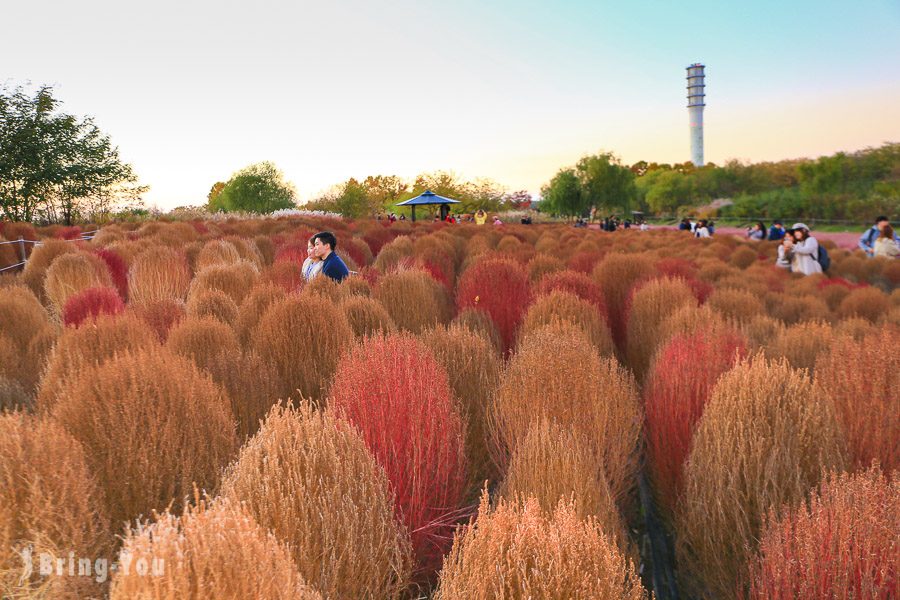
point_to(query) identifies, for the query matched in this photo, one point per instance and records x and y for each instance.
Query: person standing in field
(480, 217)
(701, 231)
(776, 232)
(332, 265)
(757, 232)
(312, 266)
(886, 244)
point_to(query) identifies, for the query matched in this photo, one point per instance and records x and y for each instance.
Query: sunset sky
(511, 90)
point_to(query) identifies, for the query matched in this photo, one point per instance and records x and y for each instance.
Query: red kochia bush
(843, 545)
(678, 385)
(90, 303)
(577, 283)
(118, 270)
(498, 287)
(393, 389)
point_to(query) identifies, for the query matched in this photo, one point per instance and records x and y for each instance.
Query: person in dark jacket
(332, 265)
(776, 231)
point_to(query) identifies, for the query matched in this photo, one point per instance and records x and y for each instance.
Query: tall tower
(695, 97)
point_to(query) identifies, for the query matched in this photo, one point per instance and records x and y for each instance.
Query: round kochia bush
(763, 442)
(393, 389)
(208, 552)
(500, 288)
(152, 427)
(309, 478)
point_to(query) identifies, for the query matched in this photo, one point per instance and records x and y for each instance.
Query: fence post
(22, 248)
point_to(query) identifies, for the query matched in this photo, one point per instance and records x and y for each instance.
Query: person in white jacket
(803, 250)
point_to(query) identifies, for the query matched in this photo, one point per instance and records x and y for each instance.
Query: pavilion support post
(413, 213)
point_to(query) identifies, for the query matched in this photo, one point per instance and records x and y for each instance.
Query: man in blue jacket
(867, 240)
(324, 244)
(776, 231)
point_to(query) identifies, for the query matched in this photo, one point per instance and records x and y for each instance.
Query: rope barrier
(12, 266)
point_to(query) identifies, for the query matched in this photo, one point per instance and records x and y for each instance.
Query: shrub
(516, 550)
(285, 275)
(762, 442)
(251, 396)
(743, 257)
(737, 304)
(760, 331)
(561, 306)
(616, 274)
(414, 300)
(677, 389)
(648, 308)
(473, 371)
(842, 545)
(80, 348)
(553, 464)
(868, 302)
(542, 265)
(393, 254)
(258, 301)
(13, 396)
(23, 322)
(862, 379)
(802, 344)
(73, 273)
(413, 427)
(302, 338)
(479, 322)
(91, 303)
(152, 427)
(118, 270)
(202, 340)
(235, 280)
(39, 261)
(216, 252)
(500, 288)
(160, 315)
(158, 273)
(50, 502)
(196, 555)
(366, 316)
(310, 479)
(795, 309)
(576, 283)
(212, 303)
(557, 374)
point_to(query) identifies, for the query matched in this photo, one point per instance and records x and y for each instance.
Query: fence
(23, 255)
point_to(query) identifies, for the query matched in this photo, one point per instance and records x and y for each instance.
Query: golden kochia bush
(216, 252)
(553, 464)
(563, 306)
(616, 274)
(842, 545)
(414, 300)
(473, 371)
(25, 336)
(801, 344)
(40, 260)
(212, 303)
(257, 302)
(868, 302)
(235, 280)
(310, 479)
(87, 346)
(862, 379)
(763, 442)
(152, 425)
(73, 273)
(158, 273)
(557, 374)
(481, 323)
(302, 338)
(737, 304)
(203, 340)
(160, 315)
(648, 308)
(793, 309)
(216, 551)
(517, 550)
(49, 501)
(367, 316)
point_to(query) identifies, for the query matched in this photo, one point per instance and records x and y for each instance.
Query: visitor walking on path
(332, 265)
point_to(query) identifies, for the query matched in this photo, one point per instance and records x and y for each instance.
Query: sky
(512, 90)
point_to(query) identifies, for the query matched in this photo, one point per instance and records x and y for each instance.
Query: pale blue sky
(192, 91)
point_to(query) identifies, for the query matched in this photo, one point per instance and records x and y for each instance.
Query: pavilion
(427, 198)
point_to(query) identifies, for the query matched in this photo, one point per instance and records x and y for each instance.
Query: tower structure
(696, 101)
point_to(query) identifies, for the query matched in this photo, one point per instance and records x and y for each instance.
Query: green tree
(54, 166)
(563, 195)
(212, 197)
(670, 190)
(605, 182)
(259, 188)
